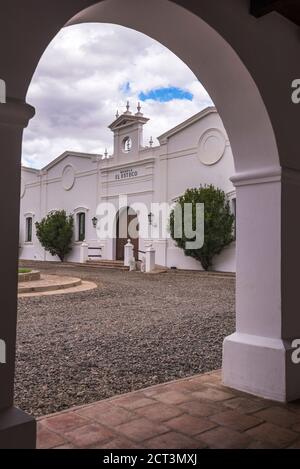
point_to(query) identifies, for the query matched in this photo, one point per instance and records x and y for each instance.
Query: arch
(204, 41)
(236, 58)
(214, 62)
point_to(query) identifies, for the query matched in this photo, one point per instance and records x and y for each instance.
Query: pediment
(127, 120)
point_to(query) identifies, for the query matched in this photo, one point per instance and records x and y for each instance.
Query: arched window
(28, 230)
(233, 210)
(81, 226)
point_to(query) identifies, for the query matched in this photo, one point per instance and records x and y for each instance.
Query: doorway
(127, 228)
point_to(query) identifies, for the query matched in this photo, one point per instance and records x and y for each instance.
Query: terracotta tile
(207, 378)
(173, 397)
(187, 386)
(117, 443)
(132, 402)
(193, 413)
(269, 433)
(65, 422)
(152, 392)
(141, 429)
(113, 416)
(159, 412)
(222, 387)
(164, 387)
(131, 396)
(212, 394)
(190, 425)
(66, 446)
(161, 389)
(296, 428)
(295, 445)
(217, 373)
(245, 405)
(236, 420)
(47, 439)
(97, 408)
(201, 409)
(261, 445)
(174, 440)
(279, 416)
(226, 438)
(89, 435)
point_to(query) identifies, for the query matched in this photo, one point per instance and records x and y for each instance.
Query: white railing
(148, 261)
(85, 252)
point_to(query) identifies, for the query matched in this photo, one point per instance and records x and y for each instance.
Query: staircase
(106, 264)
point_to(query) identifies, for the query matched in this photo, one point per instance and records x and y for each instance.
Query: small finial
(106, 153)
(151, 142)
(139, 114)
(127, 106)
(117, 114)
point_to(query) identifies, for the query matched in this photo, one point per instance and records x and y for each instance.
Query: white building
(195, 152)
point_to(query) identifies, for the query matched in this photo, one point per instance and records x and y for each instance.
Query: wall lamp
(150, 218)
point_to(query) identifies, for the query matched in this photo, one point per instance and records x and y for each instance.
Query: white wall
(77, 182)
(182, 163)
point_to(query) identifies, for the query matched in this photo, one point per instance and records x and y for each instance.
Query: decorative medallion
(68, 177)
(211, 147)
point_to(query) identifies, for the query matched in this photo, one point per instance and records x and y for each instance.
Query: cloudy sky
(91, 70)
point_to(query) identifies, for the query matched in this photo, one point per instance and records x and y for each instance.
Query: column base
(17, 429)
(261, 366)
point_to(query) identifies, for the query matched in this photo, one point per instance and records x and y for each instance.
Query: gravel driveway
(133, 331)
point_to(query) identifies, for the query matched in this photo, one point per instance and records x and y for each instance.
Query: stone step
(49, 283)
(107, 264)
(203, 273)
(105, 261)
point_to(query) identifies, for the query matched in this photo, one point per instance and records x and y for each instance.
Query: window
(28, 234)
(233, 209)
(81, 226)
(126, 144)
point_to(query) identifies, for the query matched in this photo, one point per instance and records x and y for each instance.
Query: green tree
(218, 223)
(55, 233)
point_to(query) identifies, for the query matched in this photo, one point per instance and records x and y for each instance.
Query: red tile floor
(197, 412)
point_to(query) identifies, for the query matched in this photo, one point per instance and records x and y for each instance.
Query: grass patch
(24, 271)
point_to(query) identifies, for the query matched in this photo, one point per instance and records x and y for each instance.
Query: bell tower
(128, 134)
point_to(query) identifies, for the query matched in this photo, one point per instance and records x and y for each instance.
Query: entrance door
(125, 218)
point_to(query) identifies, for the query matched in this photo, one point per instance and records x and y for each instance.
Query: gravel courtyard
(133, 331)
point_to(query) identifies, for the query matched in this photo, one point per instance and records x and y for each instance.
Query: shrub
(218, 223)
(55, 233)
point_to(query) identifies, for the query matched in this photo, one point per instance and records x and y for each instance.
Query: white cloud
(79, 85)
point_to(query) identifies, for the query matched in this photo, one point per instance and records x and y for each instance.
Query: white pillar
(128, 252)
(150, 259)
(84, 253)
(257, 358)
(17, 429)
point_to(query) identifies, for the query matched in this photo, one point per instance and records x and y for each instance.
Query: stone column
(128, 252)
(257, 357)
(17, 429)
(150, 259)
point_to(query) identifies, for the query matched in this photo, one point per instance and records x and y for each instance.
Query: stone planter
(29, 276)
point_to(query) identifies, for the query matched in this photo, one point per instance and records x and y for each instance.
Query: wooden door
(121, 241)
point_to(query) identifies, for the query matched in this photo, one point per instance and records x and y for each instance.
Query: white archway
(236, 58)
(257, 178)
(235, 94)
